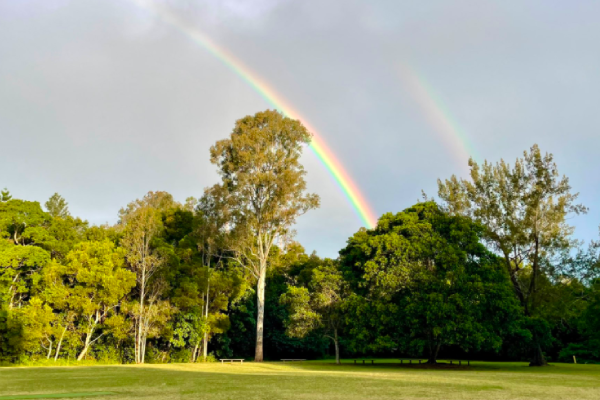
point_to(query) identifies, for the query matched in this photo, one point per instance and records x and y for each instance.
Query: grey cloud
(102, 102)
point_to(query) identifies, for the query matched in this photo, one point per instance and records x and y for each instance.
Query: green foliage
(19, 272)
(35, 320)
(57, 206)
(262, 192)
(5, 195)
(189, 329)
(426, 276)
(588, 347)
(174, 282)
(319, 304)
(90, 285)
(21, 221)
(523, 209)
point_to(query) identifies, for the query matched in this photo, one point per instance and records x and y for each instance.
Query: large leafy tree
(91, 284)
(524, 210)
(202, 285)
(262, 192)
(23, 227)
(142, 227)
(317, 304)
(19, 272)
(424, 280)
(23, 221)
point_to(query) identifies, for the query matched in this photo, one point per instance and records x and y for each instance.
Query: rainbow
(317, 145)
(437, 114)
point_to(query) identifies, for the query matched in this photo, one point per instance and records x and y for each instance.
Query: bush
(156, 356)
(181, 356)
(586, 353)
(107, 355)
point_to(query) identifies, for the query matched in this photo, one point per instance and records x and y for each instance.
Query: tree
(524, 211)
(57, 206)
(36, 320)
(63, 233)
(23, 221)
(92, 283)
(262, 192)
(142, 225)
(5, 195)
(585, 346)
(23, 228)
(19, 270)
(424, 280)
(319, 304)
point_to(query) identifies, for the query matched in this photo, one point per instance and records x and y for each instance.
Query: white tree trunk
(139, 357)
(194, 353)
(337, 346)
(49, 349)
(86, 346)
(260, 317)
(205, 346)
(59, 344)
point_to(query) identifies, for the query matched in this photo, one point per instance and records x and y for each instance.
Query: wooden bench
(293, 359)
(409, 361)
(372, 361)
(231, 360)
(460, 362)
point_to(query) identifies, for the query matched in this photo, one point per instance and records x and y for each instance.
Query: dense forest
(488, 269)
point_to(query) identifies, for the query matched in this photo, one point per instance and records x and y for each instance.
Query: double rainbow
(438, 115)
(317, 145)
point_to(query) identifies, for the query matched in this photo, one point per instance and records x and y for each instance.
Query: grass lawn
(309, 380)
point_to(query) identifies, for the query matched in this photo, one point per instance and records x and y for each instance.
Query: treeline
(489, 270)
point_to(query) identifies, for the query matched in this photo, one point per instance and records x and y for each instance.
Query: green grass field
(310, 380)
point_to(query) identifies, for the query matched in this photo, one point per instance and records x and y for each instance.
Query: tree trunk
(205, 344)
(135, 341)
(514, 280)
(139, 357)
(85, 347)
(538, 357)
(49, 350)
(59, 344)
(260, 317)
(13, 291)
(337, 346)
(144, 340)
(194, 352)
(433, 353)
(88, 339)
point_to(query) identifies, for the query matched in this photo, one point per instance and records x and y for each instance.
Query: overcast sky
(102, 102)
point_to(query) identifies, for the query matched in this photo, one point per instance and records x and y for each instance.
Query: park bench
(451, 361)
(231, 360)
(372, 361)
(293, 359)
(409, 361)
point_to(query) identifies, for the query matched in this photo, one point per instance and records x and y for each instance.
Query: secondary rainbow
(318, 146)
(438, 115)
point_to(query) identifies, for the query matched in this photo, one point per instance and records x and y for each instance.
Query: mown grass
(387, 379)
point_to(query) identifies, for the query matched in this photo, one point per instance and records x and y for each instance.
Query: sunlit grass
(387, 379)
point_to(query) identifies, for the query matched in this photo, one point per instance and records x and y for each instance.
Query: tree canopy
(491, 271)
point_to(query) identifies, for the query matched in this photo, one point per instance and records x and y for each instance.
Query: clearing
(386, 379)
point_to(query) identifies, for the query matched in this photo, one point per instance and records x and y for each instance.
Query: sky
(103, 101)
